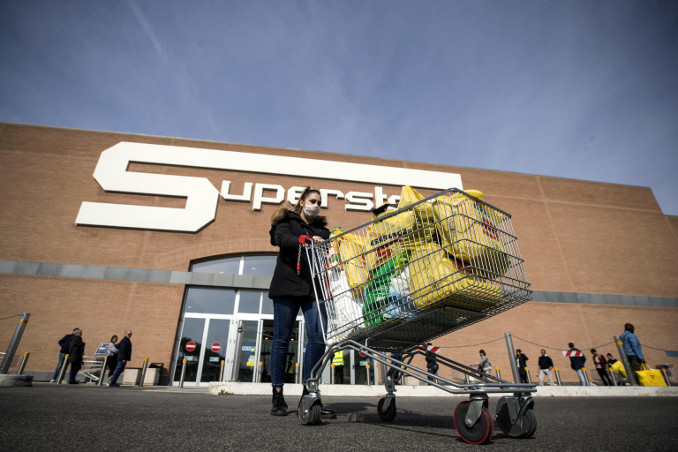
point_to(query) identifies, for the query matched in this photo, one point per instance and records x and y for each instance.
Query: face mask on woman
(311, 211)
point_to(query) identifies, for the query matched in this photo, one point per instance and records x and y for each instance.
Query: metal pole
(143, 372)
(183, 373)
(529, 377)
(555, 369)
(586, 376)
(369, 380)
(666, 377)
(23, 363)
(613, 377)
(63, 369)
(332, 375)
(498, 372)
(103, 371)
(512, 357)
(14, 343)
(221, 372)
(630, 374)
(235, 375)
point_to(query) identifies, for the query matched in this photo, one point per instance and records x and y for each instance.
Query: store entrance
(292, 366)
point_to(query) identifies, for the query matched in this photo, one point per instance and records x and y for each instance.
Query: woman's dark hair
(304, 194)
(482, 351)
(114, 336)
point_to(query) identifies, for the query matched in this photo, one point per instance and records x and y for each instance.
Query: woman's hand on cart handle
(307, 239)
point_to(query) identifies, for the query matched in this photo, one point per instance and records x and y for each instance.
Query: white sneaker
(52, 380)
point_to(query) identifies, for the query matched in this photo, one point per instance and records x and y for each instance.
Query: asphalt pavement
(68, 417)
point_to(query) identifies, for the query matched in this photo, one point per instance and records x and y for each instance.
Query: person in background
(111, 356)
(632, 347)
(577, 360)
(431, 361)
(76, 350)
(601, 367)
(338, 361)
(124, 355)
(64, 343)
(545, 367)
(484, 364)
(292, 289)
(521, 362)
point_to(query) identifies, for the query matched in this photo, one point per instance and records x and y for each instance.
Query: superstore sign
(202, 197)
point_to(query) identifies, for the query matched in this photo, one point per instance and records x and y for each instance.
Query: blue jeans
(62, 357)
(285, 312)
(580, 374)
(118, 370)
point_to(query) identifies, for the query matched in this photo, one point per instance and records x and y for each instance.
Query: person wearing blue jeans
(124, 355)
(292, 289)
(577, 360)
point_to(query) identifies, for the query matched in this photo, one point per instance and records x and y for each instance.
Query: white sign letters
(202, 197)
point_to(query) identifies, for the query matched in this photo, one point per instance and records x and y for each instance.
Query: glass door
(215, 349)
(291, 367)
(190, 347)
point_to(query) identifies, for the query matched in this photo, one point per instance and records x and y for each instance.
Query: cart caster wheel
(523, 428)
(310, 416)
(478, 433)
(388, 414)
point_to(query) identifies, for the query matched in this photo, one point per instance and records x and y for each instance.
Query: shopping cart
(410, 276)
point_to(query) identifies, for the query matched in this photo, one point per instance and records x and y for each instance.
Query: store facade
(169, 238)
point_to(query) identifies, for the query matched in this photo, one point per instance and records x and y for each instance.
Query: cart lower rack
(410, 276)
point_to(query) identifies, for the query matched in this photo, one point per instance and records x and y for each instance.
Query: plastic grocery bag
(344, 310)
(398, 232)
(350, 249)
(618, 368)
(468, 230)
(650, 377)
(400, 302)
(378, 293)
(435, 277)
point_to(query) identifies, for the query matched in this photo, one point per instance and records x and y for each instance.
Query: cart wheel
(478, 433)
(390, 413)
(310, 416)
(523, 428)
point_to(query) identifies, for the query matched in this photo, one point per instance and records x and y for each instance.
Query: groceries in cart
(450, 249)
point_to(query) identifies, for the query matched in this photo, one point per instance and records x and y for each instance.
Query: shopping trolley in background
(410, 276)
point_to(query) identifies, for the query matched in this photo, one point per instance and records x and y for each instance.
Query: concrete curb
(430, 391)
(13, 380)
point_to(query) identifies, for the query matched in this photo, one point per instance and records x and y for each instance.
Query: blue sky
(577, 89)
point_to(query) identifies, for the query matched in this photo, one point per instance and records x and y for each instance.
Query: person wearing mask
(292, 289)
(64, 343)
(545, 368)
(521, 362)
(76, 350)
(632, 347)
(577, 360)
(124, 355)
(601, 367)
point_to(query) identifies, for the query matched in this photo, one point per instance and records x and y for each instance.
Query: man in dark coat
(64, 343)
(124, 355)
(577, 360)
(521, 361)
(76, 350)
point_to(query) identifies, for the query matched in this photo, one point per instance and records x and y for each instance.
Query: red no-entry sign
(216, 347)
(190, 346)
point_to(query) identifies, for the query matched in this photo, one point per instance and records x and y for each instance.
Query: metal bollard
(332, 374)
(14, 343)
(143, 372)
(103, 371)
(512, 357)
(586, 376)
(555, 369)
(630, 374)
(367, 367)
(498, 372)
(63, 369)
(529, 377)
(23, 363)
(466, 380)
(221, 372)
(183, 373)
(666, 377)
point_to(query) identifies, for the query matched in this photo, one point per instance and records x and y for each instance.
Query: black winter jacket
(577, 362)
(286, 228)
(125, 349)
(76, 349)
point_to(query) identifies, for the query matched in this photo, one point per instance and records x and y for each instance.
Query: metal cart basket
(410, 276)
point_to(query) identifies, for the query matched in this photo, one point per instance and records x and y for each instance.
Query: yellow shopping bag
(650, 377)
(396, 233)
(435, 277)
(618, 368)
(469, 230)
(350, 250)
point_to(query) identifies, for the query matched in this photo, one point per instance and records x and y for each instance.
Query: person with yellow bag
(632, 347)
